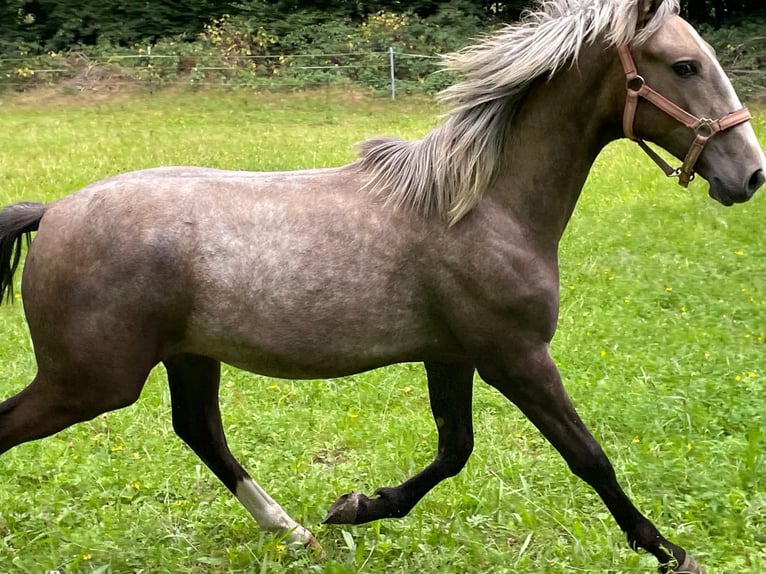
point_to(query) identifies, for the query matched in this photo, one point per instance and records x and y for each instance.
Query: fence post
(393, 75)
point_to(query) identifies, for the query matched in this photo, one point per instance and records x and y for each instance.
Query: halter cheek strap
(704, 128)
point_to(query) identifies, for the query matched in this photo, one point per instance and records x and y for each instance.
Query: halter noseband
(703, 128)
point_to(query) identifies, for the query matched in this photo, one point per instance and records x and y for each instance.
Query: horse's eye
(685, 69)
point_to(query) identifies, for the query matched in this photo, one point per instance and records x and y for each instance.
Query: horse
(442, 250)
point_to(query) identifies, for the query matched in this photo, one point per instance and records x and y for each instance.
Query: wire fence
(392, 70)
(388, 70)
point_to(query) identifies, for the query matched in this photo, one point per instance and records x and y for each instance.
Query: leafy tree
(720, 12)
(61, 24)
(12, 35)
(65, 24)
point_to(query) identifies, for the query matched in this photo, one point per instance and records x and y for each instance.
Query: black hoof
(345, 509)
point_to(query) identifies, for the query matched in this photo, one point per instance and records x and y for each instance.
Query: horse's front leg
(531, 381)
(450, 387)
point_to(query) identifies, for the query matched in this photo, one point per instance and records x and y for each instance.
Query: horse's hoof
(689, 566)
(302, 537)
(345, 509)
(313, 545)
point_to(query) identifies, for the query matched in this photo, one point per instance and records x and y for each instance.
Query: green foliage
(55, 25)
(63, 25)
(284, 44)
(254, 42)
(720, 12)
(306, 47)
(742, 52)
(310, 46)
(426, 28)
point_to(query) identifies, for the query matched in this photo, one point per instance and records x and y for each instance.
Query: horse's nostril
(756, 180)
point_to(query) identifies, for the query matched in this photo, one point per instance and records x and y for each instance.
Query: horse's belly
(308, 346)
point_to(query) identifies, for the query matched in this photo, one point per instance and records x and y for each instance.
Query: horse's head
(678, 65)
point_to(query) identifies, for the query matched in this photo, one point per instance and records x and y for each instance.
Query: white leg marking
(268, 514)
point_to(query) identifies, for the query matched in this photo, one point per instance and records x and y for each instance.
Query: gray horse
(442, 250)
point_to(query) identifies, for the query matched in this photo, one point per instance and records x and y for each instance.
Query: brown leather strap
(629, 114)
(668, 107)
(669, 170)
(631, 100)
(733, 119)
(687, 169)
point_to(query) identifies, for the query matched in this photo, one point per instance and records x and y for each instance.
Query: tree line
(29, 26)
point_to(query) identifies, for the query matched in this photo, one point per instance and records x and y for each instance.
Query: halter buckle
(705, 128)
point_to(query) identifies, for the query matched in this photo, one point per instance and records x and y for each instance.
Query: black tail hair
(16, 222)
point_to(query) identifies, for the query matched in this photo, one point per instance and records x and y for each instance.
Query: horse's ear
(646, 11)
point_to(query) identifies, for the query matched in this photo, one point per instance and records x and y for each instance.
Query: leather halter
(704, 128)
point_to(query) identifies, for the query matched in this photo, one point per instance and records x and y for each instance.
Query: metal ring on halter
(705, 128)
(635, 84)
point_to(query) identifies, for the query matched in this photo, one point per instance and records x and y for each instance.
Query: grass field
(661, 344)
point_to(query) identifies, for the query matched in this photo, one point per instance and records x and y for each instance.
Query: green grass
(661, 345)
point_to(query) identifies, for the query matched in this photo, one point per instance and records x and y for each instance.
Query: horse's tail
(16, 221)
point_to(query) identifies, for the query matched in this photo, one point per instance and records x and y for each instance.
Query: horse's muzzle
(729, 195)
(754, 182)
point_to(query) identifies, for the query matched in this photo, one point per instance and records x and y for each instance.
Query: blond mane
(446, 173)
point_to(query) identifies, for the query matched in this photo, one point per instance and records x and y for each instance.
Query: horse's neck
(555, 138)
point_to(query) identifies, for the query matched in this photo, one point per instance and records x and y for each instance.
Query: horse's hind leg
(57, 399)
(532, 382)
(194, 384)
(450, 387)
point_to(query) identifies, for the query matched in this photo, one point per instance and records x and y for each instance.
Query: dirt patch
(330, 457)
